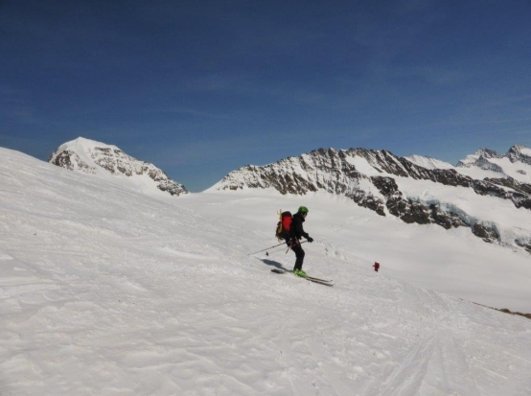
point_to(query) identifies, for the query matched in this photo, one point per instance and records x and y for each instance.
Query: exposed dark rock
(511, 183)
(386, 185)
(445, 219)
(63, 159)
(518, 193)
(416, 213)
(367, 201)
(450, 177)
(483, 187)
(515, 154)
(526, 244)
(69, 160)
(485, 164)
(486, 232)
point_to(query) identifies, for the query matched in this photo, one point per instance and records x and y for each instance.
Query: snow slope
(429, 163)
(510, 222)
(107, 291)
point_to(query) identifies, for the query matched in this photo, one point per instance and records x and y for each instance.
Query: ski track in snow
(108, 292)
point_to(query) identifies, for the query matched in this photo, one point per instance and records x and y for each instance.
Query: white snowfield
(107, 291)
(429, 163)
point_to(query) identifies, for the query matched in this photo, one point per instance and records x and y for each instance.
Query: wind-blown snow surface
(110, 292)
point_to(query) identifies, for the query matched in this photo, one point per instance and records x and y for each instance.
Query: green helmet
(303, 210)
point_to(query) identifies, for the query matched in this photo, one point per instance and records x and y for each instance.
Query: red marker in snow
(376, 266)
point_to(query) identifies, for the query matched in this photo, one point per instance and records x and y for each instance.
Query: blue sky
(203, 87)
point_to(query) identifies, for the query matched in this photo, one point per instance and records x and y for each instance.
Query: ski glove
(310, 239)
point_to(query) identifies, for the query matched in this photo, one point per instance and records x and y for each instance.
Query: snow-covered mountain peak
(520, 153)
(84, 155)
(87, 144)
(485, 163)
(92, 157)
(479, 155)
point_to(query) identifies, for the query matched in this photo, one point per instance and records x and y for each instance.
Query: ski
(319, 281)
(326, 282)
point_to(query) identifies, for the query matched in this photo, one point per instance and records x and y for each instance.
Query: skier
(296, 233)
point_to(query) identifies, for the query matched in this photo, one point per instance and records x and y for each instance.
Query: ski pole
(289, 247)
(270, 247)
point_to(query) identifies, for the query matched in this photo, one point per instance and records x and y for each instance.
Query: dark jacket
(297, 230)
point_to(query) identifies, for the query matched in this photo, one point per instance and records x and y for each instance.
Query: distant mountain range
(484, 192)
(89, 156)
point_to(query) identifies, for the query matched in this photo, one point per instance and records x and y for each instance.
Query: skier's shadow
(273, 263)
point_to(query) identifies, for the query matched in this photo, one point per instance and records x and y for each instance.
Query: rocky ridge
(375, 179)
